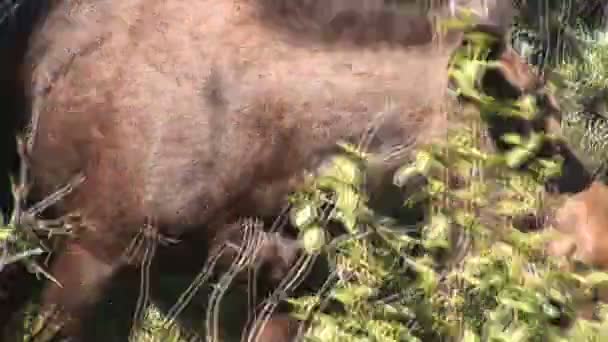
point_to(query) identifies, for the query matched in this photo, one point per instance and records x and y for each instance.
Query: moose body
(192, 115)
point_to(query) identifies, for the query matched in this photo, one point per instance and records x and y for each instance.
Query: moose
(582, 218)
(188, 116)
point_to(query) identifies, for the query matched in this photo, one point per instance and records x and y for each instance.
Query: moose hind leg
(83, 279)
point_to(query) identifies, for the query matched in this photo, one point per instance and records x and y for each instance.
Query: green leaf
(6, 233)
(303, 216)
(510, 207)
(352, 294)
(527, 307)
(346, 170)
(428, 280)
(596, 278)
(313, 239)
(424, 162)
(512, 139)
(520, 334)
(404, 174)
(518, 156)
(470, 336)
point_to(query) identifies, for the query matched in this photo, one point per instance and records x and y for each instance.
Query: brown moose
(193, 115)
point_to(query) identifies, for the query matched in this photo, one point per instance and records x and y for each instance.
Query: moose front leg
(82, 279)
(16, 287)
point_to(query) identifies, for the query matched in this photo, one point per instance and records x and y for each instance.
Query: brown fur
(199, 127)
(583, 219)
(195, 114)
(280, 328)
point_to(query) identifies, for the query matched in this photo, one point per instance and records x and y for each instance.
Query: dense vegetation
(466, 274)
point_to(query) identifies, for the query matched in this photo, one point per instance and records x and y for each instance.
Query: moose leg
(275, 256)
(113, 317)
(182, 292)
(234, 311)
(83, 278)
(17, 286)
(279, 328)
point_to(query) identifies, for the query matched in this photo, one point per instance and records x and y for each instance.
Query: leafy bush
(498, 286)
(585, 87)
